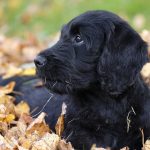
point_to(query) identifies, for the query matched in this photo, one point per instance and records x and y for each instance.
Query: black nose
(40, 61)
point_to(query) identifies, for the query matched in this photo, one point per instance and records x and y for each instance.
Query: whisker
(69, 136)
(54, 84)
(43, 106)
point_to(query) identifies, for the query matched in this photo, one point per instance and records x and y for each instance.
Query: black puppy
(95, 69)
(97, 63)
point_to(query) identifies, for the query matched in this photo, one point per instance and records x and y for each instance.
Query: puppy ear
(123, 57)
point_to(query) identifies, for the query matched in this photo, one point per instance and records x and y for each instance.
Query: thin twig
(34, 110)
(69, 136)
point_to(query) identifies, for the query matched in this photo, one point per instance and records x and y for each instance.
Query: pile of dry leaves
(18, 129)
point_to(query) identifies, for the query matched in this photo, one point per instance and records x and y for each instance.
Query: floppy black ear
(123, 57)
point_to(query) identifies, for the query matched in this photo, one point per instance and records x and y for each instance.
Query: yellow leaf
(6, 99)
(25, 143)
(12, 71)
(9, 118)
(7, 89)
(28, 72)
(21, 108)
(38, 125)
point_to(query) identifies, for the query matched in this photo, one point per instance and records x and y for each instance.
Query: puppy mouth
(56, 85)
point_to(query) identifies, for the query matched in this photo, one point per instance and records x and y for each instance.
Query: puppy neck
(95, 91)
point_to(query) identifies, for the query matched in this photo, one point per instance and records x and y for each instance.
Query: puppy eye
(78, 39)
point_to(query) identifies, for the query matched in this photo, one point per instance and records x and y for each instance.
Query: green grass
(45, 17)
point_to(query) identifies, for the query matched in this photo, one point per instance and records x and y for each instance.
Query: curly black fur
(96, 64)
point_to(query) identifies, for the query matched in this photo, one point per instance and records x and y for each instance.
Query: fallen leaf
(125, 148)
(7, 89)
(47, 142)
(26, 118)
(147, 145)
(3, 127)
(12, 71)
(98, 148)
(60, 122)
(28, 72)
(4, 143)
(38, 125)
(21, 108)
(9, 118)
(62, 145)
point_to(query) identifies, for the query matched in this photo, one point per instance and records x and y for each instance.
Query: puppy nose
(40, 61)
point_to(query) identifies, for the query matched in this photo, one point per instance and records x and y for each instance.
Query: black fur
(97, 63)
(95, 67)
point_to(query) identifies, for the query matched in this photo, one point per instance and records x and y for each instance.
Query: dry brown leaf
(60, 125)
(146, 35)
(39, 84)
(12, 132)
(2, 109)
(33, 137)
(26, 132)
(147, 145)
(12, 71)
(146, 73)
(15, 142)
(22, 126)
(125, 148)
(4, 143)
(38, 120)
(62, 145)
(40, 129)
(47, 142)
(38, 125)
(25, 142)
(26, 118)
(3, 127)
(7, 89)
(21, 108)
(99, 148)
(60, 122)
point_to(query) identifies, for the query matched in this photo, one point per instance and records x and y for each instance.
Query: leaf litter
(20, 131)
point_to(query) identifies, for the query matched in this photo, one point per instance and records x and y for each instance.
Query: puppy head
(96, 48)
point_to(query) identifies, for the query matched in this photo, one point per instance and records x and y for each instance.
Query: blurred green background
(45, 17)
